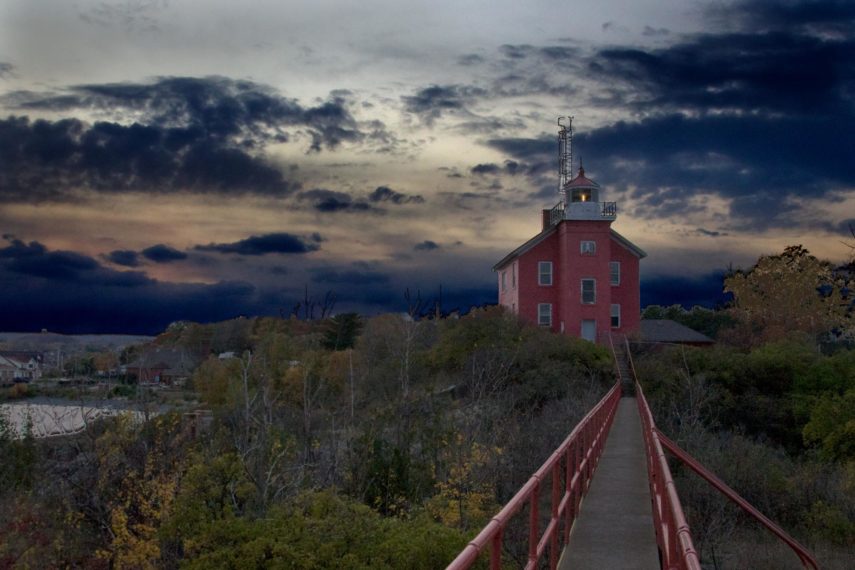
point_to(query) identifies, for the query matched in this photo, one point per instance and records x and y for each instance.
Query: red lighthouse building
(577, 276)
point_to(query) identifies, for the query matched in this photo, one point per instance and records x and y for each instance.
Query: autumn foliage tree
(792, 291)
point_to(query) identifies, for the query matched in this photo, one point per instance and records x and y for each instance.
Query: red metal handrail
(672, 531)
(676, 548)
(579, 453)
(807, 559)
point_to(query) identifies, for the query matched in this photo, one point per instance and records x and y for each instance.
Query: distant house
(7, 372)
(666, 331)
(20, 365)
(169, 366)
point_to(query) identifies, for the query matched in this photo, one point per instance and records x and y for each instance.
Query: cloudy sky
(178, 159)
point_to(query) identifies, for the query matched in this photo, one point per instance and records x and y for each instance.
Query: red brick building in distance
(578, 276)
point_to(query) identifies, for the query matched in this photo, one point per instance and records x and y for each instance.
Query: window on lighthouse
(544, 314)
(614, 272)
(544, 273)
(589, 291)
(581, 196)
(587, 247)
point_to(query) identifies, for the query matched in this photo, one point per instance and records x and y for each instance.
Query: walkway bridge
(628, 516)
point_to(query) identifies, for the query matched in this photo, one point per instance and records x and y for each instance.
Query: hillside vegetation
(383, 443)
(770, 409)
(389, 442)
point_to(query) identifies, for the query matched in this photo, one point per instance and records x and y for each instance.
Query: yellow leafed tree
(793, 291)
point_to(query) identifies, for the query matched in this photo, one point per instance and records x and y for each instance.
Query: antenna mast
(565, 152)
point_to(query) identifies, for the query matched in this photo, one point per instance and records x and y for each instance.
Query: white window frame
(541, 274)
(588, 247)
(614, 273)
(615, 313)
(541, 308)
(593, 301)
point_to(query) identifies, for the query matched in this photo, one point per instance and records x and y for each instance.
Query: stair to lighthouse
(623, 370)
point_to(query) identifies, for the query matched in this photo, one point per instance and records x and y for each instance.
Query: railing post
(589, 453)
(556, 490)
(570, 508)
(534, 515)
(496, 550)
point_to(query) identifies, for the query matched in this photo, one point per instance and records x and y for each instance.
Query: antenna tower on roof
(565, 152)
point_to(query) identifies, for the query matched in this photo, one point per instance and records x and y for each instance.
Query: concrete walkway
(614, 529)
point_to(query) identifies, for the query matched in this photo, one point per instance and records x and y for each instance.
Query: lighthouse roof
(581, 181)
(530, 244)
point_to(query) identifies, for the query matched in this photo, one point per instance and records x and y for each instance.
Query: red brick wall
(628, 293)
(530, 293)
(569, 267)
(576, 266)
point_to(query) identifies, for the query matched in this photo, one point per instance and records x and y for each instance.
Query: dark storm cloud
(426, 245)
(268, 243)
(764, 15)
(430, 103)
(67, 291)
(769, 73)
(176, 134)
(126, 257)
(351, 277)
(70, 292)
(99, 307)
(524, 148)
(761, 164)
(488, 168)
(19, 249)
(709, 233)
(6, 69)
(759, 111)
(34, 260)
(769, 57)
(526, 51)
(46, 159)
(705, 290)
(511, 168)
(765, 120)
(162, 253)
(330, 124)
(329, 201)
(220, 107)
(386, 194)
(465, 298)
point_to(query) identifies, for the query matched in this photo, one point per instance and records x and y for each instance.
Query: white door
(589, 330)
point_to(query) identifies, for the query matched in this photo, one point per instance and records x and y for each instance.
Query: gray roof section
(637, 251)
(525, 247)
(665, 330)
(634, 249)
